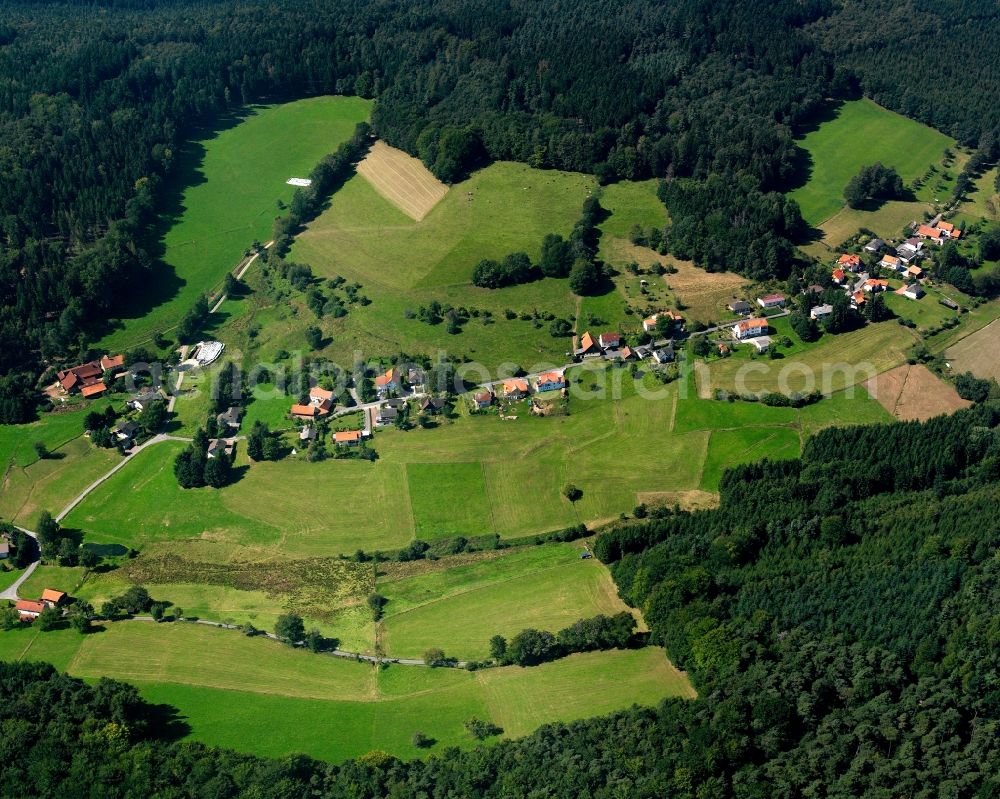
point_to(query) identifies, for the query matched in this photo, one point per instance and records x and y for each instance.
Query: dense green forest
(96, 97)
(839, 615)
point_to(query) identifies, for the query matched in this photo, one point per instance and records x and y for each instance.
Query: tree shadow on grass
(166, 723)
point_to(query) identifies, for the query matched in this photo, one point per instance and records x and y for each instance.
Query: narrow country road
(11, 591)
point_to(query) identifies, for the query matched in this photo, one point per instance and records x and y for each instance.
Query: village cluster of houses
(519, 388)
(753, 329)
(31, 609)
(612, 346)
(850, 273)
(88, 378)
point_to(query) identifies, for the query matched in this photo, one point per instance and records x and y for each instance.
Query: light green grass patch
(234, 178)
(461, 608)
(859, 134)
(727, 448)
(448, 499)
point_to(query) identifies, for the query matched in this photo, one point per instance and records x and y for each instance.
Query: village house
(433, 405)
(386, 414)
(550, 381)
(483, 399)
(771, 301)
(588, 348)
(347, 438)
(230, 417)
(874, 285)
(321, 400)
(218, 446)
(126, 433)
(387, 383)
(850, 262)
(914, 291)
(914, 272)
(891, 262)
(949, 231)
(87, 378)
(750, 328)
(416, 378)
(52, 597)
(307, 433)
(910, 250)
(814, 289)
(857, 299)
(649, 324)
(741, 307)
(112, 363)
(838, 276)
(875, 246)
(930, 234)
(143, 399)
(609, 341)
(761, 344)
(819, 311)
(29, 609)
(93, 390)
(304, 411)
(627, 354)
(665, 354)
(515, 388)
(4, 549)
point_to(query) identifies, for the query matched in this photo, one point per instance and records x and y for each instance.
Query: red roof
(93, 390)
(838, 274)
(929, 232)
(307, 411)
(516, 385)
(386, 379)
(586, 341)
(609, 339)
(30, 606)
(550, 377)
(849, 259)
(112, 362)
(51, 595)
(347, 436)
(751, 324)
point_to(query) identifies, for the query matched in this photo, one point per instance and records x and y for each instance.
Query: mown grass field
(459, 608)
(262, 697)
(228, 185)
(861, 133)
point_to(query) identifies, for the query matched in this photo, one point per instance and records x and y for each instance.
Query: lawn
(265, 698)
(546, 587)
(51, 483)
(432, 487)
(225, 196)
(54, 429)
(746, 445)
(861, 133)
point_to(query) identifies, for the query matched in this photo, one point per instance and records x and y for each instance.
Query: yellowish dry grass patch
(914, 393)
(402, 179)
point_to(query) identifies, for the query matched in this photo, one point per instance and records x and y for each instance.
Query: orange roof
(515, 385)
(675, 316)
(859, 297)
(550, 377)
(308, 411)
(930, 232)
(347, 436)
(626, 352)
(956, 234)
(848, 259)
(51, 595)
(320, 393)
(890, 259)
(947, 227)
(68, 379)
(914, 270)
(112, 361)
(93, 390)
(838, 274)
(386, 379)
(29, 606)
(586, 341)
(750, 324)
(874, 281)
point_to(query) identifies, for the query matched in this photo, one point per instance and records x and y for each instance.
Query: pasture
(859, 133)
(262, 697)
(225, 196)
(976, 353)
(402, 179)
(460, 607)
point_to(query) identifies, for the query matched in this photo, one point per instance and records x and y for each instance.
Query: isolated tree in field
(435, 657)
(9, 618)
(498, 648)
(571, 492)
(41, 450)
(480, 730)
(422, 741)
(377, 603)
(314, 337)
(69, 552)
(560, 328)
(874, 182)
(290, 628)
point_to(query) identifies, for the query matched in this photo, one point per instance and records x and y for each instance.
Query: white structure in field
(303, 182)
(207, 351)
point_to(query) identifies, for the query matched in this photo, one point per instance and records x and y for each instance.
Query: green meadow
(227, 188)
(861, 133)
(263, 697)
(455, 606)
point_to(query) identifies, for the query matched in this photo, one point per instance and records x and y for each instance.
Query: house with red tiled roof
(53, 596)
(550, 381)
(483, 399)
(77, 377)
(609, 341)
(93, 390)
(304, 411)
(750, 328)
(321, 400)
(515, 388)
(771, 301)
(874, 285)
(388, 382)
(915, 272)
(931, 233)
(858, 299)
(29, 609)
(112, 362)
(849, 261)
(891, 262)
(838, 276)
(347, 438)
(588, 348)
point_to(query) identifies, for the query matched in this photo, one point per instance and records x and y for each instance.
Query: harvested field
(914, 393)
(402, 179)
(695, 499)
(977, 353)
